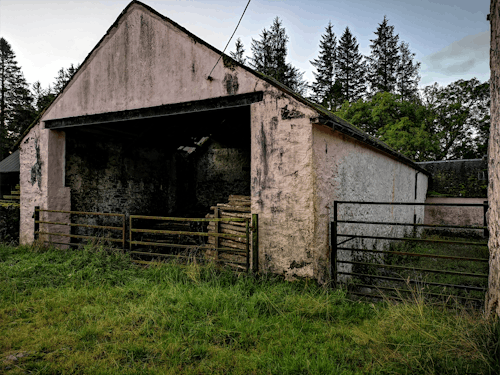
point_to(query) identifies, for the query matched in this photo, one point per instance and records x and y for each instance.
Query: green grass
(94, 312)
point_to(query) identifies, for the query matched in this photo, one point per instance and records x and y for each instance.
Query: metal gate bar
(335, 235)
(37, 231)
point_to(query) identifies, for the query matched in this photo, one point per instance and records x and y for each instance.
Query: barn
(142, 128)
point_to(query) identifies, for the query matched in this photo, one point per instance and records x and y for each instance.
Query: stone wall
(458, 178)
(493, 296)
(107, 174)
(9, 223)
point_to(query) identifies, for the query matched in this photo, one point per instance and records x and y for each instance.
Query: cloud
(467, 56)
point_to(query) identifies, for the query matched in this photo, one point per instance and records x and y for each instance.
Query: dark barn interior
(177, 165)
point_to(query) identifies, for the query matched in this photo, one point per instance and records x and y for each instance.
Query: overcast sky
(449, 37)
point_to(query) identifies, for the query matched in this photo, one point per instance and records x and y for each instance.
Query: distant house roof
(10, 163)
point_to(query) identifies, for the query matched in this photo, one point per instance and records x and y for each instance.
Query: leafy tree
(407, 73)
(269, 57)
(238, 54)
(404, 126)
(350, 68)
(16, 111)
(461, 118)
(384, 59)
(325, 89)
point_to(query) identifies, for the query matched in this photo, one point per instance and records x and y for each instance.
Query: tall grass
(91, 311)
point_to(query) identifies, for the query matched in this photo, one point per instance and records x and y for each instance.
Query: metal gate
(188, 239)
(153, 238)
(435, 267)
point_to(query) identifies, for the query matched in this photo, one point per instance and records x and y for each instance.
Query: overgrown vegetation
(91, 311)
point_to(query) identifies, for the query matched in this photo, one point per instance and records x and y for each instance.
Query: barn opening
(172, 164)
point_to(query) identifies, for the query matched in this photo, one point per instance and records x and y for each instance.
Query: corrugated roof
(10, 163)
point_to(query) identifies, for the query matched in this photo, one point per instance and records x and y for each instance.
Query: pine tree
(325, 91)
(269, 57)
(63, 77)
(16, 110)
(407, 76)
(238, 54)
(384, 59)
(350, 68)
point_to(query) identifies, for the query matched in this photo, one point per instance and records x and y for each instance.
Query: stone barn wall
(493, 296)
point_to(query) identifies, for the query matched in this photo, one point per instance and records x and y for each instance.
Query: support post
(486, 233)
(247, 244)
(333, 239)
(217, 230)
(255, 243)
(36, 216)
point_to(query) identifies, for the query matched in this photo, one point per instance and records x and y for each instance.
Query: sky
(449, 37)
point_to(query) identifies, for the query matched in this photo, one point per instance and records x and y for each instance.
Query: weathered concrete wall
(42, 161)
(145, 61)
(493, 296)
(348, 170)
(458, 178)
(282, 184)
(455, 215)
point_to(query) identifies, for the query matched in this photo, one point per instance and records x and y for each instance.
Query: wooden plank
(225, 230)
(240, 197)
(227, 207)
(228, 243)
(13, 197)
(15, 192)
(239, 229)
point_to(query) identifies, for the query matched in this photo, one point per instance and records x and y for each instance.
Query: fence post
(255, 242)
(333, 246)
(486, 233)
(36, 216)
(217, 230)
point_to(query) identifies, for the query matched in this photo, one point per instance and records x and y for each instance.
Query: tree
(350, 68)
(407, 73)
(63, 77)
(326, 90)
(405, 126)
(384, 59)
(16, 111)
(238, 54)
(461, 118)
(269, 58)
(41, 97)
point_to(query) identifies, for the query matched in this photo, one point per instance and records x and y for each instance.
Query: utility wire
(229, 41)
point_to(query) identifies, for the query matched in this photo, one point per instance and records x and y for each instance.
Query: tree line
(380, 94)
(20, 102)
(377, 93)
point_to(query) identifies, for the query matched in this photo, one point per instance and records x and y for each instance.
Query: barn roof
(10, 163)
(325, 117)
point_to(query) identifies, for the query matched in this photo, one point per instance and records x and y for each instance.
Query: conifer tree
(325, 90)
(16, 110)
(384, 59)
(407, 76)
(238, 54)
(269, 57)
(350, 68)
(63, 77)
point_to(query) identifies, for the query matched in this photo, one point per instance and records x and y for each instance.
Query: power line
(209, 77)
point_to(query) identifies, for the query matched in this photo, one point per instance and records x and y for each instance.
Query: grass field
(94, 312)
